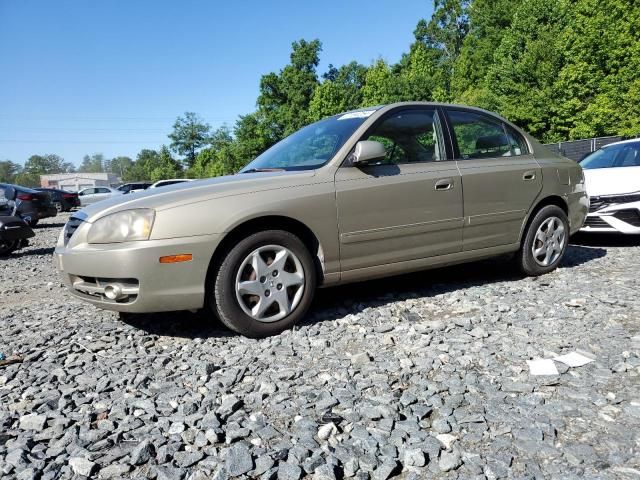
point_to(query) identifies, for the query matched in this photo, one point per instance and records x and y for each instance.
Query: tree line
(560, 69)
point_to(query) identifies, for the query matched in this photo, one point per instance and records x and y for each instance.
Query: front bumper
(620, 218)
(146, 284)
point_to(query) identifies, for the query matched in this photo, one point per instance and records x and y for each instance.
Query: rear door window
(479, 136)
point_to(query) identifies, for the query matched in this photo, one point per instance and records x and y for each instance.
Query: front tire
(545, 241)
(264, 284)
(7, 247)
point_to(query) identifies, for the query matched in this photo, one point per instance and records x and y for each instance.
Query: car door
(102, 193)
(500, 177)
(408, 206)
(86, 196)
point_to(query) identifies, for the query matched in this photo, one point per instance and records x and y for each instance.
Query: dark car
(31, 203)
(63, 201)
(134, 187)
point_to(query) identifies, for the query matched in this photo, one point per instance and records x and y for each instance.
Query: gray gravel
(422, 376)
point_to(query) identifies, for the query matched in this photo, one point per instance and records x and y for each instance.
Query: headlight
(125, 226)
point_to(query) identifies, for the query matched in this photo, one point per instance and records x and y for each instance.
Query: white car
(612, 180)
(95, 194)
(171, 181)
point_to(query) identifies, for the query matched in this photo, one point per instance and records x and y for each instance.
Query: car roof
(19, 187)
(622, 142)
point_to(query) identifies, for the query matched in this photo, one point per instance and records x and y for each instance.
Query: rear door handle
(528, 176)
(444, 184)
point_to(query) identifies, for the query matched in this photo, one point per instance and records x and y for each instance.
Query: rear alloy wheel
(58, 206)
(545, 241)
(264, 285)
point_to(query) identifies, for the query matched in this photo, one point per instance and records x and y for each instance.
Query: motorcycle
(14, 230)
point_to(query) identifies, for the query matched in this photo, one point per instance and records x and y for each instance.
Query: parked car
(365, 194)
(14, 231)
(32, 205)
(61, 199)
(134, 187)
(612, 176)
(172, 181)
(95, 194)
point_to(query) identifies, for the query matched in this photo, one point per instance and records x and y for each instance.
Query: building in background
(75, 182)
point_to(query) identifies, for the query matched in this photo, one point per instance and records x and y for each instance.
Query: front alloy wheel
(264, 284)
(270, 283)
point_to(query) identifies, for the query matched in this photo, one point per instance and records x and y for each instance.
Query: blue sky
(110, 76)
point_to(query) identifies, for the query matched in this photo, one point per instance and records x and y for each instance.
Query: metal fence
(578, 149)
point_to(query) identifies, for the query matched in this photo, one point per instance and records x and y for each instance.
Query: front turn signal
(183, 257)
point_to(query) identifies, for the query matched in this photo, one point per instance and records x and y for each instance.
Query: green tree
(8, 171)
(340, 91)
(219, 159)
(119, 165)
(95, 163)
(47, 164)
(163, 166)
(522, 79)
(145, 162)
(488, 22)
(283, 103)
(597, 86)
(189, 135)
(251, 137)
(443, 36)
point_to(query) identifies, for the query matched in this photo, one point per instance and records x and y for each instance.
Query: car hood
(197, 191)
(612, 181)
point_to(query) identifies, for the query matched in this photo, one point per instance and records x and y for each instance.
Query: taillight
(68, 195)
(25, 197)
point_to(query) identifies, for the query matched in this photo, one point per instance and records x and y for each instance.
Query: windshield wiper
(254, 170)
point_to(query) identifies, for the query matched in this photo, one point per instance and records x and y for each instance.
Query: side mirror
(10, 194)
(367, 152)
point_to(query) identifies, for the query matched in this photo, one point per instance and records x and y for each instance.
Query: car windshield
(621, 155)
(312, 146)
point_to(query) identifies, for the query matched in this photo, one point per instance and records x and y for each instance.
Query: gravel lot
(420, 376)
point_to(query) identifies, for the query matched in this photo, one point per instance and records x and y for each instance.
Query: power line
(80, 141)
(83, 118)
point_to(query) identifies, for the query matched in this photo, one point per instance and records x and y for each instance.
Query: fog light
(113, 292)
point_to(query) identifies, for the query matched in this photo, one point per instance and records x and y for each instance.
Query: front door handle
(528, 176)
(444, 184)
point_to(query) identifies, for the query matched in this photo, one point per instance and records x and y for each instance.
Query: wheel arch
(270, 222)
(556, 200)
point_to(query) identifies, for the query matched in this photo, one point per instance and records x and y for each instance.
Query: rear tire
(263, 285)
(545, 241)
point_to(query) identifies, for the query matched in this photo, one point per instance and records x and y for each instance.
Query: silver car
(91, 195)
(365, 194)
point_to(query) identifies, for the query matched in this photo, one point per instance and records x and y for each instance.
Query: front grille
(598, 203)
(70, 228)
(630, 216)
(596, 222)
